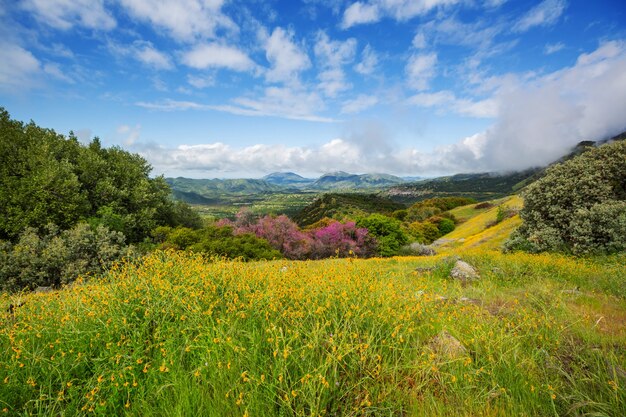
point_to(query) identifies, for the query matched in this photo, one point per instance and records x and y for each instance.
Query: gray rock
(447, 346)
(44, 289)
(464, 272)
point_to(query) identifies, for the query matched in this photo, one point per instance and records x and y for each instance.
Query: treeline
(68, 209)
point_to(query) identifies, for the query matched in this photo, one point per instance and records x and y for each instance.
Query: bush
(55, 258)
(387, 231)
(579, 206)
(216, 241)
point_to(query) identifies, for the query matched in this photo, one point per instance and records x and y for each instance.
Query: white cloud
(286, 58)
(332, 55)
(145, 53)
(213, 55)
(551, 48)
(446, 101)
(201, 82)
(419, 40)
(184, 20)
(400, 10)
(357, 105)
(369, 61)
(65, 14)
(129, 134)
(55, 71)
(545, 13)
(18, 68)
(359, 13)
(541, 118)
(420, 69)
(280, 102)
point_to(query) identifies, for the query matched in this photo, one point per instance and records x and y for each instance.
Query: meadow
(177, 334)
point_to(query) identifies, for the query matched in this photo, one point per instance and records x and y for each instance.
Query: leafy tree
(387, 232)
(579, 206)
(48, 178)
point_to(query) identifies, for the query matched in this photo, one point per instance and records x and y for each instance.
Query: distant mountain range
(481, 186)
(210, 191)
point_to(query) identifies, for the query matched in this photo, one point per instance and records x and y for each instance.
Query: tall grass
(178, 335)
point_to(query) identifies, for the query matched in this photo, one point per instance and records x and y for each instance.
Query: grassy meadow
(176, 334)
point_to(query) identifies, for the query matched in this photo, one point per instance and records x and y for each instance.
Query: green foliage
(579, 206)
(387, 231)
(58, 257)
(445, 226)
(342, 206)
(424, 232)
(48, 178)
(435, 206)
(216, 241)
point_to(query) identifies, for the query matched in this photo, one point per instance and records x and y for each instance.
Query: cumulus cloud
(18, 67)
(64, 14)
(287, 59)
(214, 55)
(401, 10)
(332, 55)
(369, 61)
(538, 120)
(420, 69)
(545, 13)
(183, 20)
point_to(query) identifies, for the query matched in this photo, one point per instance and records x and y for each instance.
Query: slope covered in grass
(176, 334)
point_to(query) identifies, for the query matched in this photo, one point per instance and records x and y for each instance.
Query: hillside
(287, 179)
(338, 206)
(483, 186)
(342, 180)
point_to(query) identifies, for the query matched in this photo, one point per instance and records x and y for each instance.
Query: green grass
(178, 335)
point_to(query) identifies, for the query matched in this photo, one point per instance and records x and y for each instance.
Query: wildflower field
(175, 334)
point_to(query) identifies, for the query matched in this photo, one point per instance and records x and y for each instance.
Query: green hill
(338, 206)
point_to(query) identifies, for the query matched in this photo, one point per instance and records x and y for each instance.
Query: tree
(387, 232)
(579, 206)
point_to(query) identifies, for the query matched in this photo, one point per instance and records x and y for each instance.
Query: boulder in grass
(447, 346)
(464, 272)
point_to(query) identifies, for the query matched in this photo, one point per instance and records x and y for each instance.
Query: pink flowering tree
(342, 239)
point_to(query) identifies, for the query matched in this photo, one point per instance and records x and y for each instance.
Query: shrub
(579, 206)
(54, 258)
(387, 231)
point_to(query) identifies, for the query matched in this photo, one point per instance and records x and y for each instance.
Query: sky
(243, 88)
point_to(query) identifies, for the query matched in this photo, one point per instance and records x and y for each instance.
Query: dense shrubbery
(57, 257)
(579, 206)
(216, 241)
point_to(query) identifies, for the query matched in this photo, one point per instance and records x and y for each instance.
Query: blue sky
(218, 88)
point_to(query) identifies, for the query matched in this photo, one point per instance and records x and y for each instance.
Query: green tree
(579, 206)
(387, 232)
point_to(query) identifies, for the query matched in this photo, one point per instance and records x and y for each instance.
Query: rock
(422, 269)
(467, 300)
(448, 346)
(464, 272)
(44, 289)
(574, 291)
